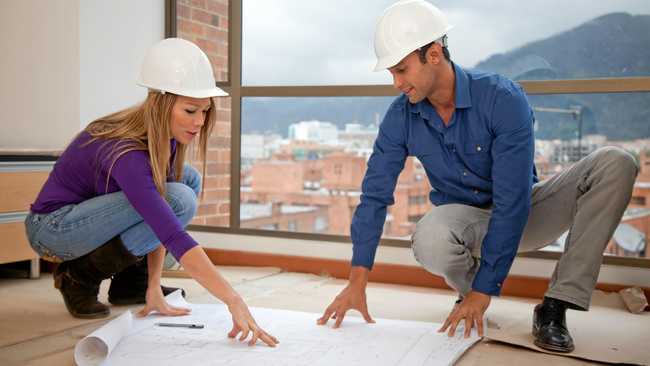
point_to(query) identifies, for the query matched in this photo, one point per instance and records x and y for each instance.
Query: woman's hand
(199, 266)
(243, 322)
(155, 301)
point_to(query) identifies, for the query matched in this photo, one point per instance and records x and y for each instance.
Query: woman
(121, 188)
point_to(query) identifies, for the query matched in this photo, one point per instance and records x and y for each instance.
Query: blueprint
(128, 340)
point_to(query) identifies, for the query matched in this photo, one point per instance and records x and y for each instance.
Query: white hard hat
(177, 66)
(404, 27)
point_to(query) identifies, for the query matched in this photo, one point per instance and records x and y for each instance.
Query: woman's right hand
(199, 266)
(243, 322)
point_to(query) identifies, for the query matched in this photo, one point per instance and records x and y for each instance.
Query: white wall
(39, 88)
(67, 62)
(113, 38)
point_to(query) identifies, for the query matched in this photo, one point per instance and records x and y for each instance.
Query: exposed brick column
(205, 22)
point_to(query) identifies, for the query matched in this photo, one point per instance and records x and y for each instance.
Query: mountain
(613, 45)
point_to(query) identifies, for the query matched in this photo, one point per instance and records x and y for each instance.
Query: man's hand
(353, 296)
(471, 309)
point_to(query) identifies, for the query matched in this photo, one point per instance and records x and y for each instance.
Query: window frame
(237, 92)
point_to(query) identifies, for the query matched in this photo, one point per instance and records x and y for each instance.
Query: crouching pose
(121, 188)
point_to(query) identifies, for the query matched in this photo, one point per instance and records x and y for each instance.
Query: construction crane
(575, 111)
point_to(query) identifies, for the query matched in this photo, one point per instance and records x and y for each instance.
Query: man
(473, 133)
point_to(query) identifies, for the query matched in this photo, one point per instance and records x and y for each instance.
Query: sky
(315, 42)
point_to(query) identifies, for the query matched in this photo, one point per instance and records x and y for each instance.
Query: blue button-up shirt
(483, 157)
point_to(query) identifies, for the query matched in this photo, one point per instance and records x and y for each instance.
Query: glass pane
(303, 160)
(205, 22)
(570, 127)
(296, 42)
(214, 207)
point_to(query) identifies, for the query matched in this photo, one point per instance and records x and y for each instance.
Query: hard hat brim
(201, 93)
(386, 64)
(209, 93)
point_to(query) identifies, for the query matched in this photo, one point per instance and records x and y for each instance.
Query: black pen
(181, 325)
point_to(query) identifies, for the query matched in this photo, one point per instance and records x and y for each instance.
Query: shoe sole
(550, 347)
(91, 316)
(554, 348)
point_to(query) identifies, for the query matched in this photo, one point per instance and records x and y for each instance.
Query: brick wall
(205, 22)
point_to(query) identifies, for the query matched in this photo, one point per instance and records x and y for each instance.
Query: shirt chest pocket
(477, 156)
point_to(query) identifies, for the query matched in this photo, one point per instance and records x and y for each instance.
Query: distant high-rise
(316, 131)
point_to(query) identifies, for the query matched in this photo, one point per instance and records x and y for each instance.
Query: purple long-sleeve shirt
(80, 174)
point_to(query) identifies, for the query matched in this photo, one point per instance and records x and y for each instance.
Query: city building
(317, 131)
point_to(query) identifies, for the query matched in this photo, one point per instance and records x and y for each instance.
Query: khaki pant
(588, 200)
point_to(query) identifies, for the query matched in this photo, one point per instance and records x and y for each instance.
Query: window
(292, 226)
(570, 127)
(308, 152)
(320, 225)
(297, 42)
(270, 226)
(338, 169)
(302, 87)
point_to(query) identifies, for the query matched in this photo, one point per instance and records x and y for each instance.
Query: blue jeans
(77, 229)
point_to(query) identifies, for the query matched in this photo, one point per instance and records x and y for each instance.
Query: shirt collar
(462, 97)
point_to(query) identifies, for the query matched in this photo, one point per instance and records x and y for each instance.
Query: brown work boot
(80, 297)
(79, 279)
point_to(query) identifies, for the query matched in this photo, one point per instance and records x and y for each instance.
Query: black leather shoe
(549, 326)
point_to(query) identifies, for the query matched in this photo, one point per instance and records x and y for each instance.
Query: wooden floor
(37, 330)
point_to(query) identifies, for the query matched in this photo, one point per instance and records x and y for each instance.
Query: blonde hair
(147, 127)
